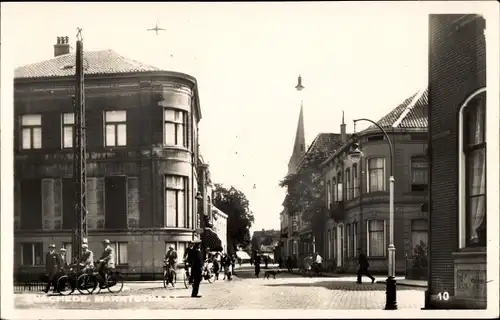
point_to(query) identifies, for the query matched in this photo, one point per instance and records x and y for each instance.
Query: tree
(235, 204)
(305, 192)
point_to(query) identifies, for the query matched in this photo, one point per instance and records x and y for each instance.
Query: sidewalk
(401, 281)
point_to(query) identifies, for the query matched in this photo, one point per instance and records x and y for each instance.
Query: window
(355, 181)
(68, 122)
(116, 128)
(69, 251)
(349, 238)
(175, 128)
(339, 186)
(376, 174)
(376, 238)
(121, 252)
(334, 242)
(419, 229)
(31, 131)
(328, 193)
(31, 254)
(472, 171)
(175, 201)
(334, 190)
(419, 174)
(181, 248)
(348, 189)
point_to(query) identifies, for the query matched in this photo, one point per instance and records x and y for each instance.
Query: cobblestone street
(245, 292)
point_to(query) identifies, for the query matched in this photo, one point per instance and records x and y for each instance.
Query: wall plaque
(470, 283)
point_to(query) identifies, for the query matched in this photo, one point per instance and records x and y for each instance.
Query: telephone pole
(79, 154)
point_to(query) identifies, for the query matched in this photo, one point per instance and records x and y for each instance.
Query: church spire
(299, 147)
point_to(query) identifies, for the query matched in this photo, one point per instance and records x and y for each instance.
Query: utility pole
(79, 154)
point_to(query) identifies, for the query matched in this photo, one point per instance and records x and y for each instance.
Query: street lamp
(355, 155)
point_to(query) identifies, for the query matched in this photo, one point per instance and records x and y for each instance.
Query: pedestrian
(196, 269)
(52, 266)
(363, 266)
(257, 265)
(289, 264)
(216, 264)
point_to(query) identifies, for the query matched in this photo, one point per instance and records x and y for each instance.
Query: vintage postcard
(249, 159)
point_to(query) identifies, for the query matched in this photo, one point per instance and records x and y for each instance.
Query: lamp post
(355, 155)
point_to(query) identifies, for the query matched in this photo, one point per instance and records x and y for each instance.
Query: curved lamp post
(355, 155)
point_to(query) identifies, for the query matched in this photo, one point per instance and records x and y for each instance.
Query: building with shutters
(457, 143)
(142, 151)
(357, 194)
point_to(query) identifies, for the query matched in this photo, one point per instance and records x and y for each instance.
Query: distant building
(142, 143)
(457, 143)
(357, 194)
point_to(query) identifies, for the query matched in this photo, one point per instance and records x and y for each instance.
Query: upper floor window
(176, 201)
(355, 181)
(419, 174)
(31, 131)
(328, 193)
(175, 127)
(334, 190)
(339, 187)
(473, 171)
(115, 123)
(68, 123)
(348, 189)
(376, 174)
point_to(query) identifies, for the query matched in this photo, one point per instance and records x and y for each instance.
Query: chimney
(343, 134)
(62, 46)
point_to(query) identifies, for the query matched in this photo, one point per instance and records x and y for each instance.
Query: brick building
(457, 113)
(357, 194)
(142, 145)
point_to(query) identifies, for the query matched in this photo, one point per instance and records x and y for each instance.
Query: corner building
(142, 147)
(457, 144)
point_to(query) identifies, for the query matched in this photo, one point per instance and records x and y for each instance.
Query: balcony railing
(337, 211)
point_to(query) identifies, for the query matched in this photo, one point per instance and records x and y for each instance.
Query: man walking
(52, 266)
(196, 269)
(363, 267)
(257, 265)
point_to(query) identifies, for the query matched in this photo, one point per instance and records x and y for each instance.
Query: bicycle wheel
(114, 282)
(211, 278)
(186, 280)
(64, 286)
(86, 284)
(165, 280)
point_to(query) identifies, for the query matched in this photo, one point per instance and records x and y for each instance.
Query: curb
(404, 284)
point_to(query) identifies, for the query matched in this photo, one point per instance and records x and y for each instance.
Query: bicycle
(208, 274)
(66, 284)
(88, 282)
(187, 277)
(169, 276)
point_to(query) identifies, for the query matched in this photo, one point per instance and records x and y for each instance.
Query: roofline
(135, 74)
(409, 107)
(368, 132)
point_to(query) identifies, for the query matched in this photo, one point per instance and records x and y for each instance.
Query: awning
(242, 255)
(211, 240)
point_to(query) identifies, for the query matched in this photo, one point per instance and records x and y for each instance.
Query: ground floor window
(376, 238)
(121, 252)
(31, 254)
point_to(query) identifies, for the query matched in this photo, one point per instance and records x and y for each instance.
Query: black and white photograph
(250, 159)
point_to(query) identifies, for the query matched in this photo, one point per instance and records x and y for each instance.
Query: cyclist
(170, 261)
(107, 262)
(188, 256)
(87, 260)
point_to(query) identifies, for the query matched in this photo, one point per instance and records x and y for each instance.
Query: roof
(324, 144)
(411, 113)
(95, 62)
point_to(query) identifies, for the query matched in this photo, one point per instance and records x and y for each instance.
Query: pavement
(287, 291)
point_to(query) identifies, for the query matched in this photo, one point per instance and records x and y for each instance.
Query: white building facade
(220, 226)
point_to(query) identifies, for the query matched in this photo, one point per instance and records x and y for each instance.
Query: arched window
(472, 171)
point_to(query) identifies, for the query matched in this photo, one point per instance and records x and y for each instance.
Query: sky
(363, 58)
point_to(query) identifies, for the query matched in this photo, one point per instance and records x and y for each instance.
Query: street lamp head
(355, 154)
(198, 196)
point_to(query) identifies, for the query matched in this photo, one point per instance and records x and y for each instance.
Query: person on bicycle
(308, 263)
(170, 260)
(107, 262)
(87, 260)
(64, 263)
(318, 263)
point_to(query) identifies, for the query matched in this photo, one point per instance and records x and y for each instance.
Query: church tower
(299, 147)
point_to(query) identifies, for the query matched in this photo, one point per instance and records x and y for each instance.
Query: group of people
(257, 260)
(56, 264)
(222, 261)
